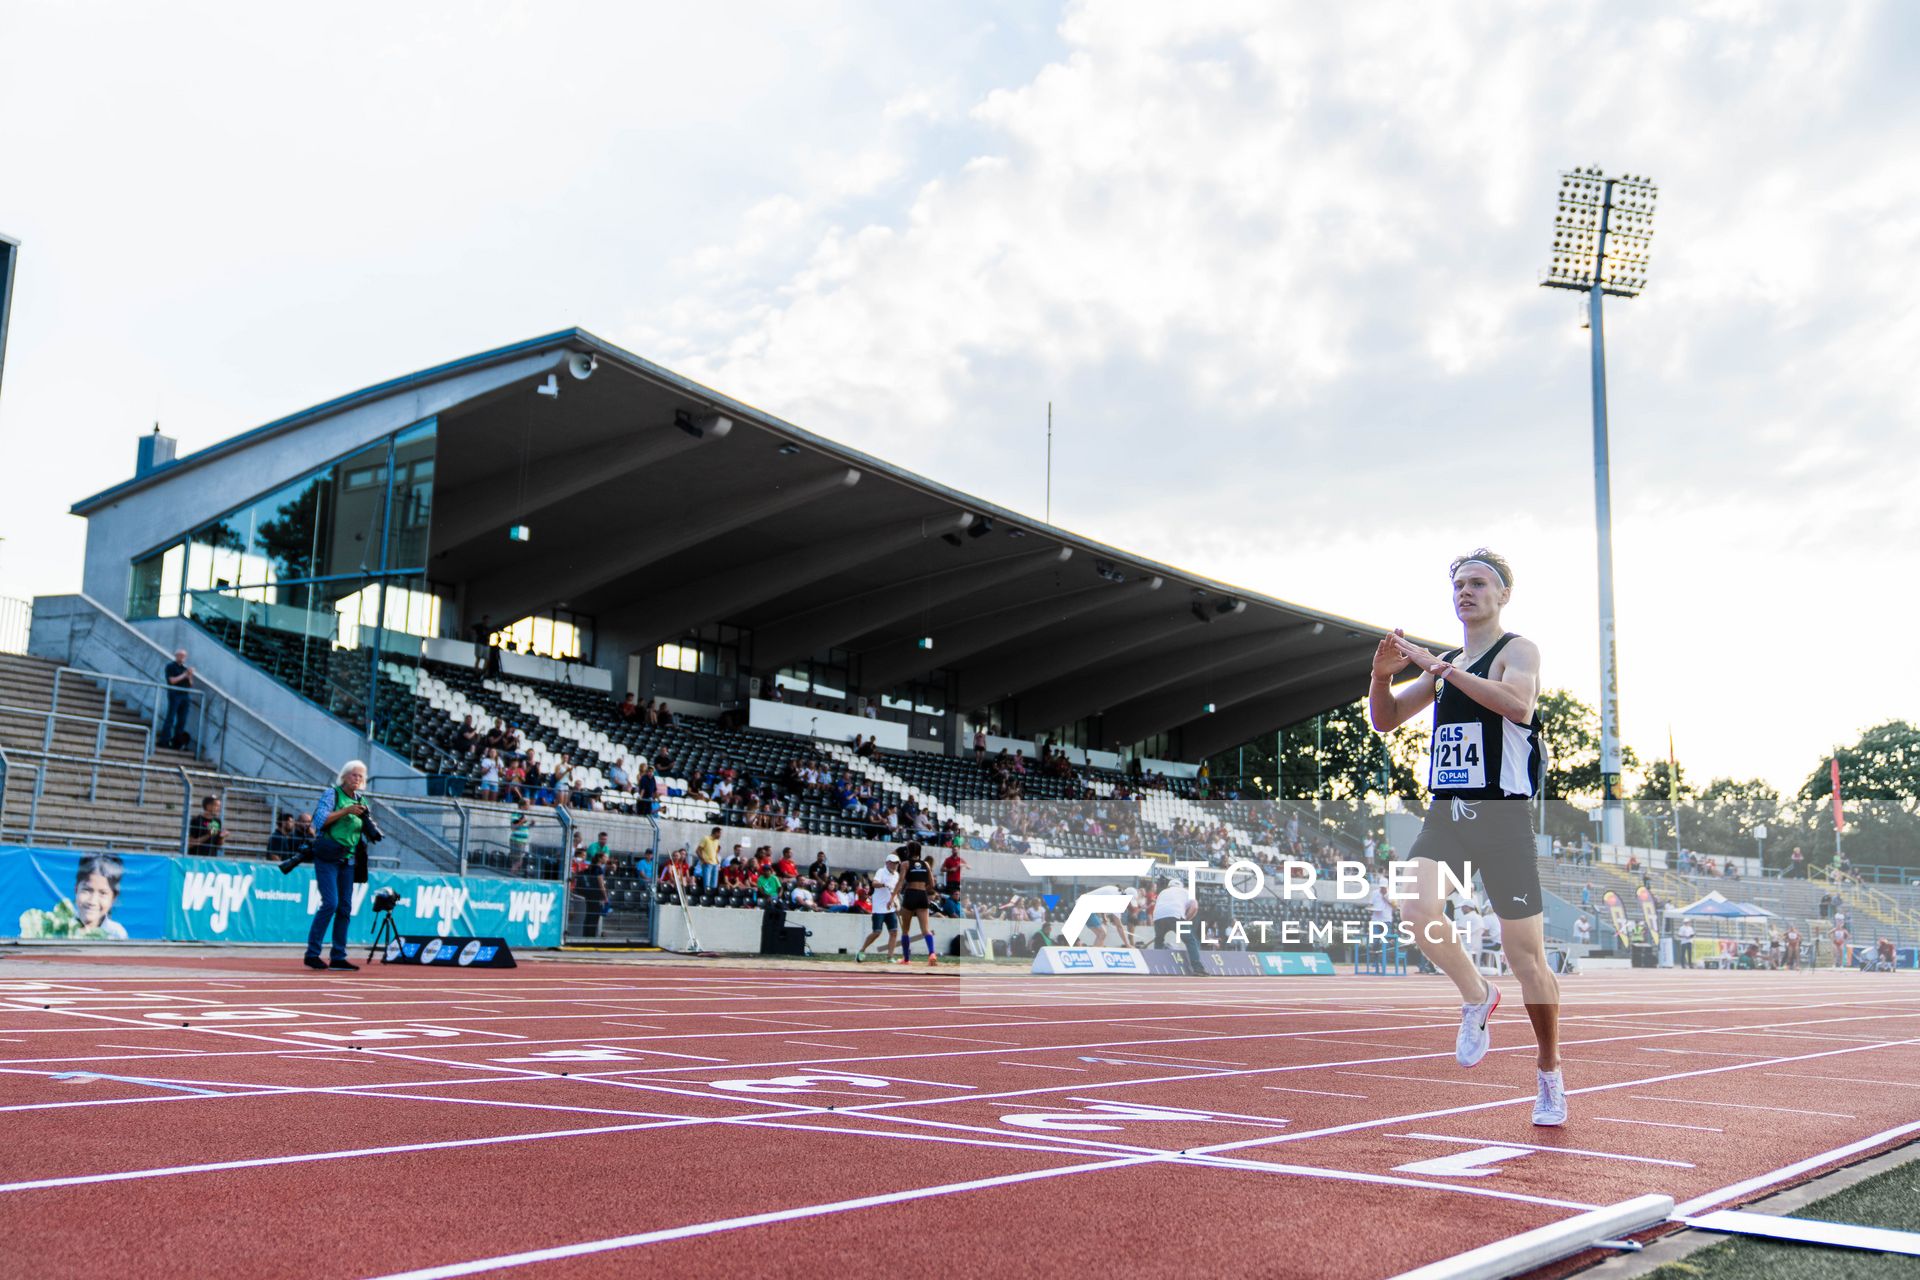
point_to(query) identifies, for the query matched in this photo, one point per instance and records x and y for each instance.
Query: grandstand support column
(674, 612)
(803, 634)
(506, 593)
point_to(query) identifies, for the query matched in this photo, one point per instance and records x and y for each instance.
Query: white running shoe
(1550, 1107)
(1474, 1039)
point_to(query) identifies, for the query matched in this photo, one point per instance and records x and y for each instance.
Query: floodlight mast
(1601, 240)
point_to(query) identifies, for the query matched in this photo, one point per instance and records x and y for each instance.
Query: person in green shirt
(342, 824)
(769, 885)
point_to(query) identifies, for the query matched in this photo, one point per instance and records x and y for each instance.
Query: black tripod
(384, 932)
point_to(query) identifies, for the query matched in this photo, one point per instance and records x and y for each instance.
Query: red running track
(222, 1116)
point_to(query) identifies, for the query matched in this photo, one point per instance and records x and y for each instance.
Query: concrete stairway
(100, 805)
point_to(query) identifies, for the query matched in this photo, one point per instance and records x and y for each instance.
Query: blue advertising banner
(64, 893)
(223, 900)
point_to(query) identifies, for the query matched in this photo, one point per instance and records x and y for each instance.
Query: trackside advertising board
(62, 894)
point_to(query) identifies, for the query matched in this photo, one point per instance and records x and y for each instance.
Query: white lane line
(502, 1261)
(1528, 1146)
(815, 1044)
(1744, 1106)
(1327, 1093)
(1713, 1053)
(135, 1175)
(1658, 1124)
(1471, 1084)
(1741, 1190)
(1791, 1075)
(1041, 1066)
(922, 1035)
(1196, 1112)
(531, 1256)
(1211, 1062)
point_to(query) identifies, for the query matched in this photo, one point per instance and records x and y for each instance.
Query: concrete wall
(148, 517)
(738, 930)
(835, 726)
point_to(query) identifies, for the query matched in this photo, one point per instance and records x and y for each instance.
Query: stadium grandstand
(564, 601)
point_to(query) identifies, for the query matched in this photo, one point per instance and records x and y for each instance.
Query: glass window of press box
(309, 581)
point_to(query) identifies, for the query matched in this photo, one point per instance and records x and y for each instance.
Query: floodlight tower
(1602, 236)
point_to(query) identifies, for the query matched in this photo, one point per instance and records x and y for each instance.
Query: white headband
(1484, 565)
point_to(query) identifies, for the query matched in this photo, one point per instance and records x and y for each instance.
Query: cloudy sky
(1275, 265)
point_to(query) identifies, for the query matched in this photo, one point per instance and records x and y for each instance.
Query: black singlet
(1479, 754)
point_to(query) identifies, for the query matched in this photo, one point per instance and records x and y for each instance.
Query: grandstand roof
(658, 504)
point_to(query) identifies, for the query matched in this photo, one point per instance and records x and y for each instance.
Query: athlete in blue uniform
(1486, 767)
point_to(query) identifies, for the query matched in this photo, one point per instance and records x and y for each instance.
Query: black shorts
(1497, 841)
(914, 900)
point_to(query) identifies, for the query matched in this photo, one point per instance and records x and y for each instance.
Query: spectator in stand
(801, 895)
(206, 834)
(768, 886)
(818, 870)
(950, 868)
(283, 843)
(665, 717)
(630, 708)
(707, 855)
(577, 855)
(490, 775)
(466, 739)
(1796, 865)
(618, 776)
(785, 867)
(590, 882)
(600, 849)
(734, 874)
(179, 678)
(648, 790)
(519, 842)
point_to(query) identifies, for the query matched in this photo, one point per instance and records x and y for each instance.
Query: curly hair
(1492, 560)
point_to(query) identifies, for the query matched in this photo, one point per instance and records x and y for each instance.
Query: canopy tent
(1716, 907)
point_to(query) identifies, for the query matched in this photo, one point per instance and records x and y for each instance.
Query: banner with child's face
(68, 894)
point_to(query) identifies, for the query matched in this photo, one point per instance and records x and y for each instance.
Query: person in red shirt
(785, 868)
(952, 867)
(733, 875)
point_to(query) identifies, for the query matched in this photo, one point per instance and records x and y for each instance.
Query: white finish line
(1542, 1245)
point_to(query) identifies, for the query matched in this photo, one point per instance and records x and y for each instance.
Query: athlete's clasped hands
(1395, 652)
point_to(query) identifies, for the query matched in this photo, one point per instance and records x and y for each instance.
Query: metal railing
(278, 796)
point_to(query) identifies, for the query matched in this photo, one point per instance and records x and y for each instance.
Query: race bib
(1459, 758)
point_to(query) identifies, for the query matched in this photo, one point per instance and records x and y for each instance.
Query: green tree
(1570, 730)
(1880, 797)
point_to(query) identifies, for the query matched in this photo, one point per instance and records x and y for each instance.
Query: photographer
(343, 828)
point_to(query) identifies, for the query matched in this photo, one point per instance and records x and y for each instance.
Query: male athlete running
(1485, 767)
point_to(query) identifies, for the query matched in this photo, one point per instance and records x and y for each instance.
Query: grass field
(1890, 1199)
